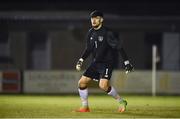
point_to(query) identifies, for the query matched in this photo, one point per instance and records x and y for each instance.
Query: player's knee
(82, 84)
(103, 86)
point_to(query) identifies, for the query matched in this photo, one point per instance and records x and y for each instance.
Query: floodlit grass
(27, 106)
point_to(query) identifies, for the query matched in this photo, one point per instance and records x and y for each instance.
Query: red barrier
(11, 81)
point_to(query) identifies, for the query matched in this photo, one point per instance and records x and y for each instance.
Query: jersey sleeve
(123, 54)
(113, 40)
(88, 48)
(115, 43)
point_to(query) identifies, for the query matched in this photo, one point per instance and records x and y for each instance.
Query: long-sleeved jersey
(104, 46)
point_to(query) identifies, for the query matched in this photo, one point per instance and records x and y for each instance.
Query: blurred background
(41, 41)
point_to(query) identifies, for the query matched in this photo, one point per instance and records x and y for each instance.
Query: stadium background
(41, 41)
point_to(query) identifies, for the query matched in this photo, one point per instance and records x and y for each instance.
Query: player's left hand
(128, 66)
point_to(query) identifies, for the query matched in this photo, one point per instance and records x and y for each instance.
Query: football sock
(83, 93)
(114, 94)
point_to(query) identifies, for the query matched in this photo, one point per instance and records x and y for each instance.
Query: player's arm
(85, 54)
(128, 65)
(87, 50)
(115, 43)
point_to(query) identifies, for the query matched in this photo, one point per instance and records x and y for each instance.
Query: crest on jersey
(100, 38)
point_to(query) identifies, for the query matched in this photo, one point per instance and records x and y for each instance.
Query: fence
(55, 82)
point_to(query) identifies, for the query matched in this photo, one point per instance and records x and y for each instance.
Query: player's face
(96, 21)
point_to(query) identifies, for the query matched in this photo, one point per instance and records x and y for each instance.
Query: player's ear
(102, 19)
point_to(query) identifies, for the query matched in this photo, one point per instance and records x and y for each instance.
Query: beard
(95, 26)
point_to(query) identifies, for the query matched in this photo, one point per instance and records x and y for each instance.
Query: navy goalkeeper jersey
(104, 45)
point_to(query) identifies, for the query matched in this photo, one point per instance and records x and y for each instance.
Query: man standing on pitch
(103, 44)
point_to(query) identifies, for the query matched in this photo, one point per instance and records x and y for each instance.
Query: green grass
(27, 106)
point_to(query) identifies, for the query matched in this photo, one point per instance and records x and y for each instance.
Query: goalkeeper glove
(128, 66)
(79, 64)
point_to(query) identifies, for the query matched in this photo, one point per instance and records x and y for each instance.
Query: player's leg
(104, 84)
(88, 75)
(83, 93)
(110, 90)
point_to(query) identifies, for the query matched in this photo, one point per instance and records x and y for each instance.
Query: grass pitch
(27, 106)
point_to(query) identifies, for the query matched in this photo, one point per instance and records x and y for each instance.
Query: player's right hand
(79, 64)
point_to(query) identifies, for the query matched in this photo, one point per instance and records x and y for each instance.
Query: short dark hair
(96, 13)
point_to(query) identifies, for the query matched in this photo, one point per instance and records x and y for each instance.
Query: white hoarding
(141, 82)
(50, 81)
(134, 82)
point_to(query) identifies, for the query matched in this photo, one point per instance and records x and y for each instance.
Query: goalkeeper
(103, 44)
